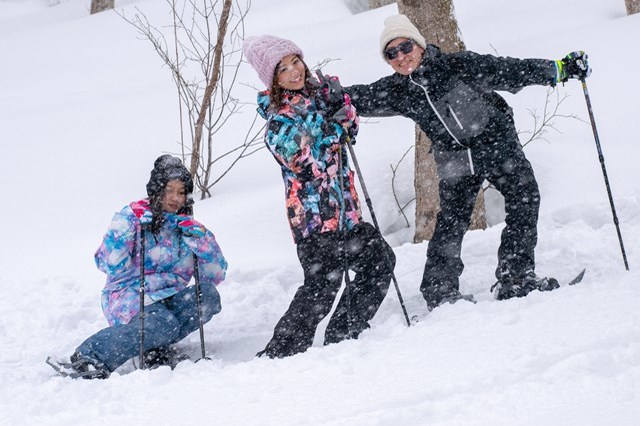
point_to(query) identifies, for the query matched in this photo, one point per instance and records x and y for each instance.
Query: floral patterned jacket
(307, 146)
(168, 262)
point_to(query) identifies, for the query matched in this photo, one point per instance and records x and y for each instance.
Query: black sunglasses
(405, 47)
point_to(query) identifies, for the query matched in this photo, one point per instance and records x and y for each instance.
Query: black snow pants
(372, 259)
(504, 165)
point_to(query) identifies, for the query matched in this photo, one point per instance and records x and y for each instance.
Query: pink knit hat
(265, 52)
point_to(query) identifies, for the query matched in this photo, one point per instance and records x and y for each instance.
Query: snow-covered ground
(86, 107)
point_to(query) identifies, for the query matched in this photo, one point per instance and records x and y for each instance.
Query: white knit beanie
(397, 26)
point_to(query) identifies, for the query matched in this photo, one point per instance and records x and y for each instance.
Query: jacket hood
(263, 103)
(294, 103)
(430, 52)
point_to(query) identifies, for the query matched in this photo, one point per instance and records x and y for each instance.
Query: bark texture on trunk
(633, 6)
(98, 6)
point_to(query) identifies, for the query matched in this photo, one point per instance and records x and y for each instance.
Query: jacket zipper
(433, 107)
(455, 117)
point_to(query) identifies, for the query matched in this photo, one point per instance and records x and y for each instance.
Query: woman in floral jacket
(307, 123)
(172, 239)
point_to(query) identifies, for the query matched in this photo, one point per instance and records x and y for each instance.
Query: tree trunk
(633, 6)
(101, 5)
(211, 86)
(359, 6)
(436, 21)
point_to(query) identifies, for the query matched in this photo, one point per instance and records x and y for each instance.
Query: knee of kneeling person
(210, 301)
(161, 321)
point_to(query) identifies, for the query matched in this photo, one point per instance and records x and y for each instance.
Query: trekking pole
(196, 275)
(343, 243)
(604, 170)
(142, 280)
(375, 222)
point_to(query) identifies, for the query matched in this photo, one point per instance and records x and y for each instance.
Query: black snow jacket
(461, 88)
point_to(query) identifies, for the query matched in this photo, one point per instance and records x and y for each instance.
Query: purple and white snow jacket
(168, 262)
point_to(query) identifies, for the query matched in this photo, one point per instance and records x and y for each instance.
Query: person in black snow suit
(452, 97)
(307, 124)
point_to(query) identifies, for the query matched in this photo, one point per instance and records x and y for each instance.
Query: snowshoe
(79, 367)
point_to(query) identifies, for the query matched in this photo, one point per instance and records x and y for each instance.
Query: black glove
(344, 116)
(329, 91)
(341, 115)
(574, 65)
(330, 125)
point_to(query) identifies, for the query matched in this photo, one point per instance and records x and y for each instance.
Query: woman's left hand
(189, 226)
(192, 228)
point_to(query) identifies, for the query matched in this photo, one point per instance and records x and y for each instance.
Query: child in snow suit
(307, 124)
(172, 238)
(452, 97)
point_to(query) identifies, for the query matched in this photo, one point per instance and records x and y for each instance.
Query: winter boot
(164, 355)
(508, 287)
(274, 350)
(282, 347)
(439, 294)
(89, 368)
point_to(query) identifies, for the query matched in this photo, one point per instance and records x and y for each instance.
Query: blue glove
(190, 227)
(574, 65)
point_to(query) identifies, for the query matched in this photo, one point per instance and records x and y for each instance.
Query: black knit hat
(167, 168)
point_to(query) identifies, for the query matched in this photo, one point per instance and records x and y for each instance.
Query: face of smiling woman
(291, 73)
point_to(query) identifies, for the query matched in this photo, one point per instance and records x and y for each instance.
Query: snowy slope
(81, 127)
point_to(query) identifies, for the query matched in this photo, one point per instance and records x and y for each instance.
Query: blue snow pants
(165, 322)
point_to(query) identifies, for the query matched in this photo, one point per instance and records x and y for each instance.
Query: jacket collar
(430, 53)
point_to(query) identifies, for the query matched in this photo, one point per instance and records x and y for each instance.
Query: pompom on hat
(265, 52)
(397, 26)
(166, 168)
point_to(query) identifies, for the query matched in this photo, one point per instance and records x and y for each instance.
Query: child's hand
(191, 227)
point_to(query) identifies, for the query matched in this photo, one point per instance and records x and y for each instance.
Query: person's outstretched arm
(377, 99)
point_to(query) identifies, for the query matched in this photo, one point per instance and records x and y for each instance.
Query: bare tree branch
(543, 123)
(204, 62)
(213, 81)
(393, 186)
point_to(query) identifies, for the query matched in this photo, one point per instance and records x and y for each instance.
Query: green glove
(574, 65)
